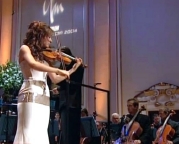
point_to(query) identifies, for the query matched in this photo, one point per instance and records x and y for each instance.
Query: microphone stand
(67, 113)
(108, 103)
(95, 113)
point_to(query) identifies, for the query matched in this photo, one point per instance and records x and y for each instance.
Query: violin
(55, 55)
(165, 132)
(132, 130)
(51, 55)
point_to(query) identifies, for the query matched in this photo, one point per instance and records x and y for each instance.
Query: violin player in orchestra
(156, 121)
(142, 121)
(163, 113)
(155, 125)
(74, 93)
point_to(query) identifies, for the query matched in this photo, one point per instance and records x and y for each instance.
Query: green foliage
(10, 77)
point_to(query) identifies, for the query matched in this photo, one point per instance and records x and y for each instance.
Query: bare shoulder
(24, 48)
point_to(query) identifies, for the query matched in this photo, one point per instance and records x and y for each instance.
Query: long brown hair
(36, 32)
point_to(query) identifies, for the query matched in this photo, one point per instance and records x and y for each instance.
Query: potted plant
(10, 79)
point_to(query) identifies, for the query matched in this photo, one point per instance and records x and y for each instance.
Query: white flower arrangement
(10, 77)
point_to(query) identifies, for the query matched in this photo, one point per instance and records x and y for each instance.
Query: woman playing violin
(33, 97)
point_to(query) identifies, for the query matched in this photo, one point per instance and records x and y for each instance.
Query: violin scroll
(142, 108)
(172, 112)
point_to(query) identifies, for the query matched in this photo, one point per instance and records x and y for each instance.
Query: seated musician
(163, 113)
(115, 127)
(156, 121)
(155, 125)
(143, 120)
(115, 118)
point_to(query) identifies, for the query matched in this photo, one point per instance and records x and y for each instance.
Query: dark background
(70, 21)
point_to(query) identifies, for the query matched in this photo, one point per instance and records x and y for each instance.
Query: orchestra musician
(115, 118)
(163, 113)
(84, 112)
(143, 120)
(155, 125)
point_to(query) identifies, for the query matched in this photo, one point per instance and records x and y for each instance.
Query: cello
(132, 130)
(165, 132)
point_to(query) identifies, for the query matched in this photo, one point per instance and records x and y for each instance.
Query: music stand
(7, 127)
(88, 127)
(108, 103)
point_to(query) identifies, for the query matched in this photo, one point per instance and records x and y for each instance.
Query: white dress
(33, 108)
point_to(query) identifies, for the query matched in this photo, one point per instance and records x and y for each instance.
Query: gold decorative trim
(161, 94)
(35, 98)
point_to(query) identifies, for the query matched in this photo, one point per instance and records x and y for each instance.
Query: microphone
(95, 84)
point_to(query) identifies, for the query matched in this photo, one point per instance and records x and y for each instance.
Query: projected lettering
(53, 8)
(55, 28)
(69, 31)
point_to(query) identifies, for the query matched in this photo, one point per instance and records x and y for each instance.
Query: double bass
(132, 130)
(165, 132)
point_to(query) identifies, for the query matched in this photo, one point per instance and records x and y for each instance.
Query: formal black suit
(144, 122)
(70, 113)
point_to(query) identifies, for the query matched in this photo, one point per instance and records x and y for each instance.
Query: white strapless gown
(33, 110)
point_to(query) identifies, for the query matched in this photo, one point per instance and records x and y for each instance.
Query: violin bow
(59, 45)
